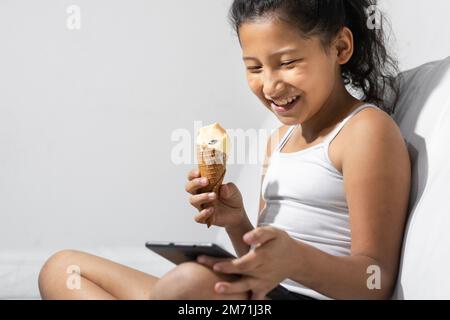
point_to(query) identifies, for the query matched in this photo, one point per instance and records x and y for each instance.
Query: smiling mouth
(285, 102)
(285, 107)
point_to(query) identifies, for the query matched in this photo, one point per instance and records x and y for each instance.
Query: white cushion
(423, 115)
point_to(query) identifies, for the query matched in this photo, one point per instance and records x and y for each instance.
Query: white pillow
(423, 114)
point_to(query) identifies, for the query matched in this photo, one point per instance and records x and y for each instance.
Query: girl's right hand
(228, 210)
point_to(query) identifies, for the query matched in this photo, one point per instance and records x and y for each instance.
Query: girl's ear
(344, 45)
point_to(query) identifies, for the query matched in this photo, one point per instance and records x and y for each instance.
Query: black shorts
(281, 293)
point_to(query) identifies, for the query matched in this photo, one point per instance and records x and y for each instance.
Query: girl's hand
(227, 210)
(262, 269)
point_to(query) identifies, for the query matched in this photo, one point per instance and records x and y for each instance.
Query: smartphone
(179, 252)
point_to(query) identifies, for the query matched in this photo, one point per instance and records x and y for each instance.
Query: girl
(335, 192)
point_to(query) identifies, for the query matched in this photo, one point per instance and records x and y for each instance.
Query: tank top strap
(285, 138)
(333, 133)
(339, 127)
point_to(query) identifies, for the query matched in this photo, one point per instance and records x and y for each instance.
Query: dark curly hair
(371, 69)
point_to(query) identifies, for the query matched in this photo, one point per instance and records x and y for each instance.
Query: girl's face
(282, 66)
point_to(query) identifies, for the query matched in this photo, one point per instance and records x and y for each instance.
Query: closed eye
(254, 69)
(288, 63)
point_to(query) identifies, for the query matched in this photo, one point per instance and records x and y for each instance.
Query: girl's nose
(273, 85)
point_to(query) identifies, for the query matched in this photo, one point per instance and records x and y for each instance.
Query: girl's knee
(55, 268)
(190, 281)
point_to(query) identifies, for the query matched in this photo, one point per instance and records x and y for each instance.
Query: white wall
(86, 117)
(421, 30)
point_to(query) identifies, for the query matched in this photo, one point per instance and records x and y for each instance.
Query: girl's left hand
(262, 269)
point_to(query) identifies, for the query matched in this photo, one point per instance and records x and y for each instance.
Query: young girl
(335, 193)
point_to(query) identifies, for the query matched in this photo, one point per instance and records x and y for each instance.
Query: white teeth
(285, 101)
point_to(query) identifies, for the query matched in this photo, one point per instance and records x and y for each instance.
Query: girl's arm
(235, 234)
(377, 174)
(347, 277)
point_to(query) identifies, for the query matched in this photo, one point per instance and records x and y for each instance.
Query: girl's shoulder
(372, 127)
(370, 119)
(369, 129)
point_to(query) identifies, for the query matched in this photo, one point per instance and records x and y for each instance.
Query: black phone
(179, 252)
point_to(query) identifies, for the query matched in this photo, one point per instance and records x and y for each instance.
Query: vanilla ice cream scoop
(214, 137)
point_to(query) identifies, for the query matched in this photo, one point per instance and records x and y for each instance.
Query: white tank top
(304, 195)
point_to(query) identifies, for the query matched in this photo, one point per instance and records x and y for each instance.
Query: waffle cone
(212, 165)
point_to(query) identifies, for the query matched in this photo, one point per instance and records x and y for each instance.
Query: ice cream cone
(212, 145)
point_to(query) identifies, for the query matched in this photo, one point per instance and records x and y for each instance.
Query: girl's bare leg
(104, 279)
